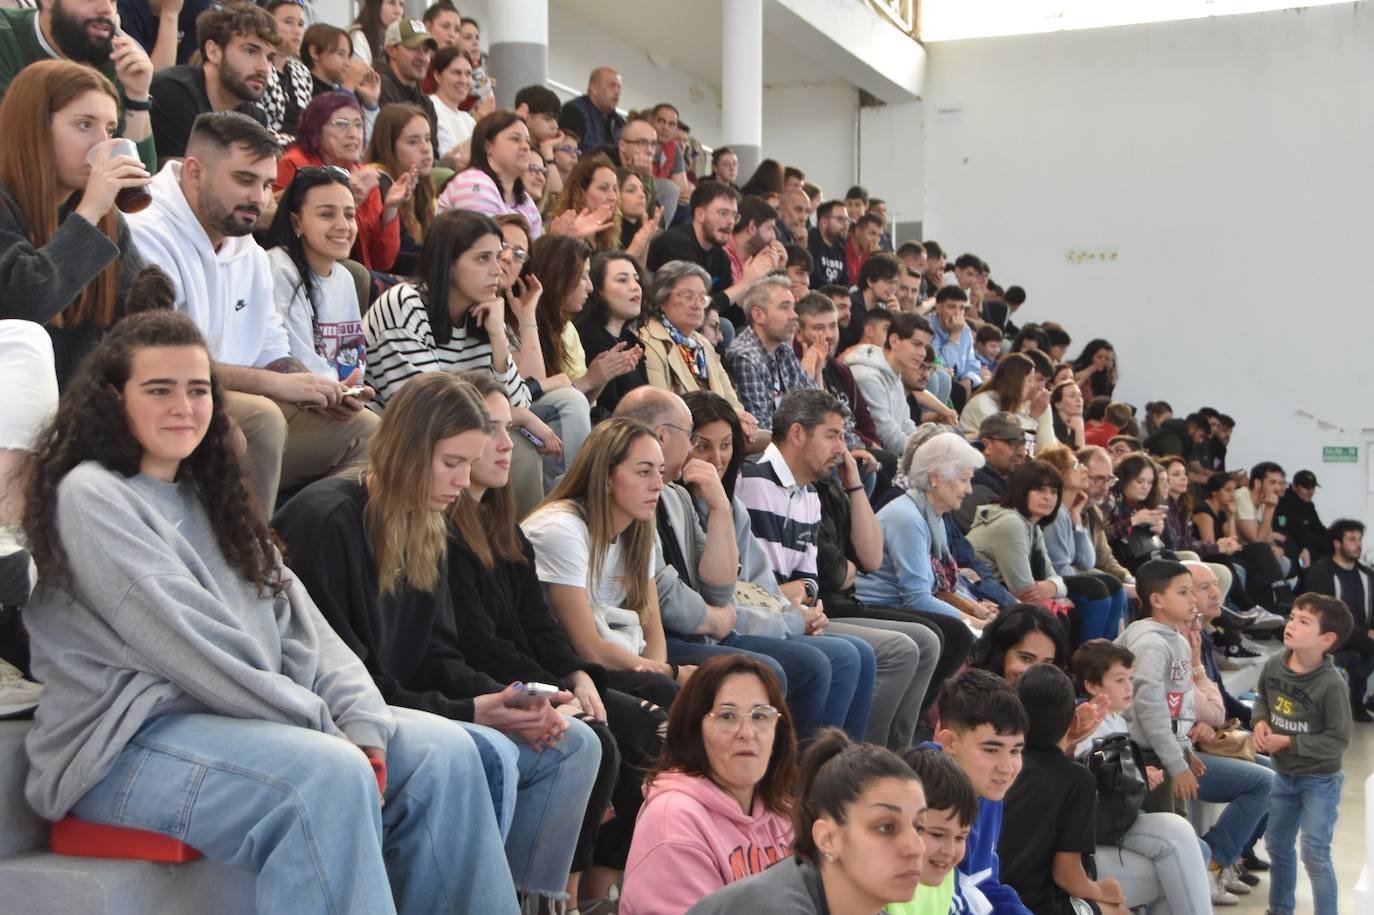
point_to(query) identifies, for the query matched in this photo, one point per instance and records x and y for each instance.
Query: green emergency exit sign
(1340, 454)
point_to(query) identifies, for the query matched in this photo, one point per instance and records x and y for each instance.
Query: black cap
(1306, 479)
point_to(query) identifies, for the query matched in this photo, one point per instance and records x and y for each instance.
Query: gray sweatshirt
(1312, 708)
(1006, 539)
(156, 622)
(1164, 709)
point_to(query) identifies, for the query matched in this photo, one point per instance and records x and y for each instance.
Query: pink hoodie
(691, 839)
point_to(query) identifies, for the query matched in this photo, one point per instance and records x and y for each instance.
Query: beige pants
(288, 446)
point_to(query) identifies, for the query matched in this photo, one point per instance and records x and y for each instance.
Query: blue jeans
(1310, 802)
(568, 414)
(550, 804)
(828, 680)
(1244, 788)
(301, 810)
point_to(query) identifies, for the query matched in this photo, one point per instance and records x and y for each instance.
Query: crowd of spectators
(566, 521)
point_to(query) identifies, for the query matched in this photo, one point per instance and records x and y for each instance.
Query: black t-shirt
(1352, 592)
(1051, 807)
(680, 244)
(596, 339)
(141, 24)
(1219, 518)
(179, 97)
(828, 261)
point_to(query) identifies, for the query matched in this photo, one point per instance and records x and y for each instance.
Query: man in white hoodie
(878, 371)
(299, 425)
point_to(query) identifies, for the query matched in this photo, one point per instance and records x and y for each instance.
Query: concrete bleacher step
(33, 881)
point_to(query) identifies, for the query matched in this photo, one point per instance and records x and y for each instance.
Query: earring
(829, 857)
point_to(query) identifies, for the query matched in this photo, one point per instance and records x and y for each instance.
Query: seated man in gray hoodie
(299, 426)
(878, 371)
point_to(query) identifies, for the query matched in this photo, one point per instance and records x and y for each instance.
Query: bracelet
(131, 105)
(1198, 669)
(854, 488)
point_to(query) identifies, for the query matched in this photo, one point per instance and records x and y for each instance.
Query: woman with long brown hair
(371, 546)
(724, 783)
(401, 146)
(367, 31)
(503, 623)
(66, 256)
(1016, 387)
(191, 685)
(589, 207)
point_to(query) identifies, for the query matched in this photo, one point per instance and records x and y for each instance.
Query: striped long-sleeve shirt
(401, 345)
(785, 516)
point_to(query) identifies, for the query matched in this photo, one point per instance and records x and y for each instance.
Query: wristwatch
(131, 105)
(813, 590)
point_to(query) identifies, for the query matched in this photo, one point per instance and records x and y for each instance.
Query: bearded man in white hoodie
(299, 425)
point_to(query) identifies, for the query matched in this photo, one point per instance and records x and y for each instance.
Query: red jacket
(377, 244)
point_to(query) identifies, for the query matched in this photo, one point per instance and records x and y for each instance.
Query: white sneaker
(1233, 881)
(1216, 880)
(1265, 620)
(18, 696)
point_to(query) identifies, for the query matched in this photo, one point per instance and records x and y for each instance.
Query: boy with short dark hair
(1049, 829)
(1302, 720)
(987, 346)
(951, 808)
(1164, 712)
(982, 728)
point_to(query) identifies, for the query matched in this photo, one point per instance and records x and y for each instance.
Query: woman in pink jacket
(717, 808)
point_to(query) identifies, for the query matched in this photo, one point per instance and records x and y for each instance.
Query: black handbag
(1144, 543)
(1121, 787)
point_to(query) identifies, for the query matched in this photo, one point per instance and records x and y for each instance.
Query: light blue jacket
(1071, 550)
(959, 357)
(905, 578)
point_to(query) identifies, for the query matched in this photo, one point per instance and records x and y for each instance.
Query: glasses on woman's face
(519, 255)
(688, 297)
(569, 151)
(728, 719)
(539, 170)
(346, 125)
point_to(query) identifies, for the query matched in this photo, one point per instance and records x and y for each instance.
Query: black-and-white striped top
(400, 345)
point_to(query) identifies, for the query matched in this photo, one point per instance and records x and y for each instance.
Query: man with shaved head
(593, 116)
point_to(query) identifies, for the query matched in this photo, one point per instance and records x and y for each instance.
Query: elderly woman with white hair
(918, 571)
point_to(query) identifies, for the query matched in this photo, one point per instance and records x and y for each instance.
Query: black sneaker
(1246, 877)
(16, 577)
(1360, 714)
(1253, 862)
(1241, 653)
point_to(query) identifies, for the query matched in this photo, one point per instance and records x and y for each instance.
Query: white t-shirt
(563, 557)
(332, 344)
(454, 126)
(1246, 510)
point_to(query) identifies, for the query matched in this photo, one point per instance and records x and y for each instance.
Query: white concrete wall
(892, 161)
(1222, 167)
(812, 127)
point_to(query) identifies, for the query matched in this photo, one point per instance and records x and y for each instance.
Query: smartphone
(531, 692)
(353, 391)
(535, 440)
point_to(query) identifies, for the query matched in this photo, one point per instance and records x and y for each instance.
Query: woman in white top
(369, 28)
(452, 85)
(594, 553)
(1015, 387)
(315, 294)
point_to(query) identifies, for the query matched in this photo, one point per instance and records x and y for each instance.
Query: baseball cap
(409, 32)
(1003, 427)
(1306, 479)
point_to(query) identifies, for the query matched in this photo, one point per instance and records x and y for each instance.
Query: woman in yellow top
(676, 355)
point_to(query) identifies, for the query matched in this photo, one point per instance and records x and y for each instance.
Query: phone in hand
(353, 391)
(535, 440)
(531, 692)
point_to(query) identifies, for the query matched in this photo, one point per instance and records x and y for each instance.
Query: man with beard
(826, 243)
(760, 359)
(715, 208)
(238, 49)
(83, 31)
(198, 229)
(408, 52)
(756, 229)
(793, 213)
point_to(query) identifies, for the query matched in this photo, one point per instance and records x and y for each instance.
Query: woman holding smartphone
(371, 547)
(192, 687)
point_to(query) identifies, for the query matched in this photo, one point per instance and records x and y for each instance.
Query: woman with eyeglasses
(330, 134)
(637, 226)
(494, 181)
(717, 806)
(589, 207)
(400, 146)
(316, 296)
(290, 86)
(1099, 600)
(612, 317)
(676, 355)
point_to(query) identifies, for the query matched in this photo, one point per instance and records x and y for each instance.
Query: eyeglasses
(642, 144)
(692, 437)
(1107, 480)
(688, 297)
(519, 255)
(569, 151)
(344, 125)
(729, 719)
(538, 170)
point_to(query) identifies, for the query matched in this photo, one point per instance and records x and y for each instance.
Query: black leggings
(637, 716)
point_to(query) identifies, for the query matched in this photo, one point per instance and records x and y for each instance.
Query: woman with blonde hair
(66, 256)
(593, 539)
(371, 546)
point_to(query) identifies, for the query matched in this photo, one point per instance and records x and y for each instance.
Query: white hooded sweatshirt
(228, 293)
(882, 390)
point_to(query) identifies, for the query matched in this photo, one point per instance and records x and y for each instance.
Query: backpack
(1121, 789)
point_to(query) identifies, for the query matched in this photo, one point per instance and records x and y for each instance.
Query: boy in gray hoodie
(1302, 719)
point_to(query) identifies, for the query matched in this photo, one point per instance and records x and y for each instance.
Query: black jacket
(179, 97)
(395, 92)
(1297, 520)
(680, 244)
(408, 640)
(596, 339)
(988, 486)
(1321, 579)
